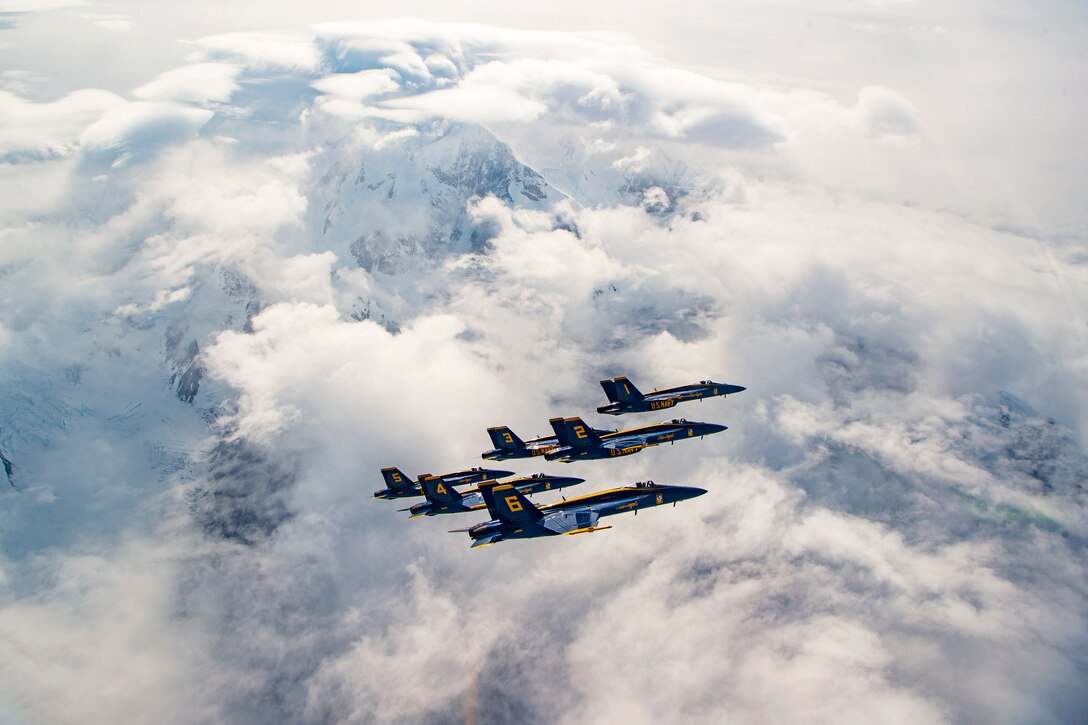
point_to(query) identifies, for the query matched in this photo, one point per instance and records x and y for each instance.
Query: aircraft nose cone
(737, 389)
(683, 493)
(709, 428)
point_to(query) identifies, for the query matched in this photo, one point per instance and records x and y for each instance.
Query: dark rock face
(485, 166)
(9, 470)
(412, 198)
(244, 497)
(185, 361)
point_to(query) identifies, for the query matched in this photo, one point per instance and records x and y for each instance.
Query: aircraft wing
(566, 522)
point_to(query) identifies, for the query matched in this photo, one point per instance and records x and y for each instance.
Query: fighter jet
(514, 517)
(624, 397)
(578, 442)
(400, 486)
(508, 445)
(445, 499)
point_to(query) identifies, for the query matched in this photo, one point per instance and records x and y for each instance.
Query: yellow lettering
(441, 488)
(513, 503)
(580, 431)
(397, 478)
(626, 389)
(508, 438)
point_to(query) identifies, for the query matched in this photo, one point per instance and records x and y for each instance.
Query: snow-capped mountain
(410, 196)
(230, 296)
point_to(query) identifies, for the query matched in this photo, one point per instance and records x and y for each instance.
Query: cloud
(137, 129)
(259, 51)
(882, 112)
(889, 526)
(195, 83)
(36, 131)
(34, 6)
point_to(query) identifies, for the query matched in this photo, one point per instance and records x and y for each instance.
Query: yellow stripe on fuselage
(637, 431)
(589, 496)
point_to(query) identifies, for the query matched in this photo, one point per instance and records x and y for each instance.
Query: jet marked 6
(580, 442)
(624, 397)
(513, 516)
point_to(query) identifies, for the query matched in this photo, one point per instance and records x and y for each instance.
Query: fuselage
(669, 397)
(473, 500)
(588, 508)
(531, 449)
(457, 478)
(633, 440)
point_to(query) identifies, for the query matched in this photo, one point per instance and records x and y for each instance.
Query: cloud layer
(207, 360)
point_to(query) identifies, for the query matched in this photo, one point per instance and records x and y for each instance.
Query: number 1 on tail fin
(626, 390)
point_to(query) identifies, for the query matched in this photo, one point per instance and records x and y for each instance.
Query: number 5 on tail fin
(396, 480)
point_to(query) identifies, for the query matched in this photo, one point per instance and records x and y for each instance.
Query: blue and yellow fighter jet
(443, 498)
(579, 442)
(624, 397)
(514, 517)
(400, 486)
(508, 445)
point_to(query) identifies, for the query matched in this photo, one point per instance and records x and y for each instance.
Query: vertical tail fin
(438, 491)
(396, 480)
(610, 390)
(512, 506)
(579, 434)
(504, 438)
(626, 391)
(489, 498)
(560, 431)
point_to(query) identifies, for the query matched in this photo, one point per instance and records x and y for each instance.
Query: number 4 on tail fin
(438, 491)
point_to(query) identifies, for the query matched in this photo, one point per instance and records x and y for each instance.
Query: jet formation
(514, 516)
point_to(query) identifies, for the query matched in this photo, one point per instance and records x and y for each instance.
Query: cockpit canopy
(679, 420)
(645, 484)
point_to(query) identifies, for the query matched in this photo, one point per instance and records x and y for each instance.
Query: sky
(250, 254)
